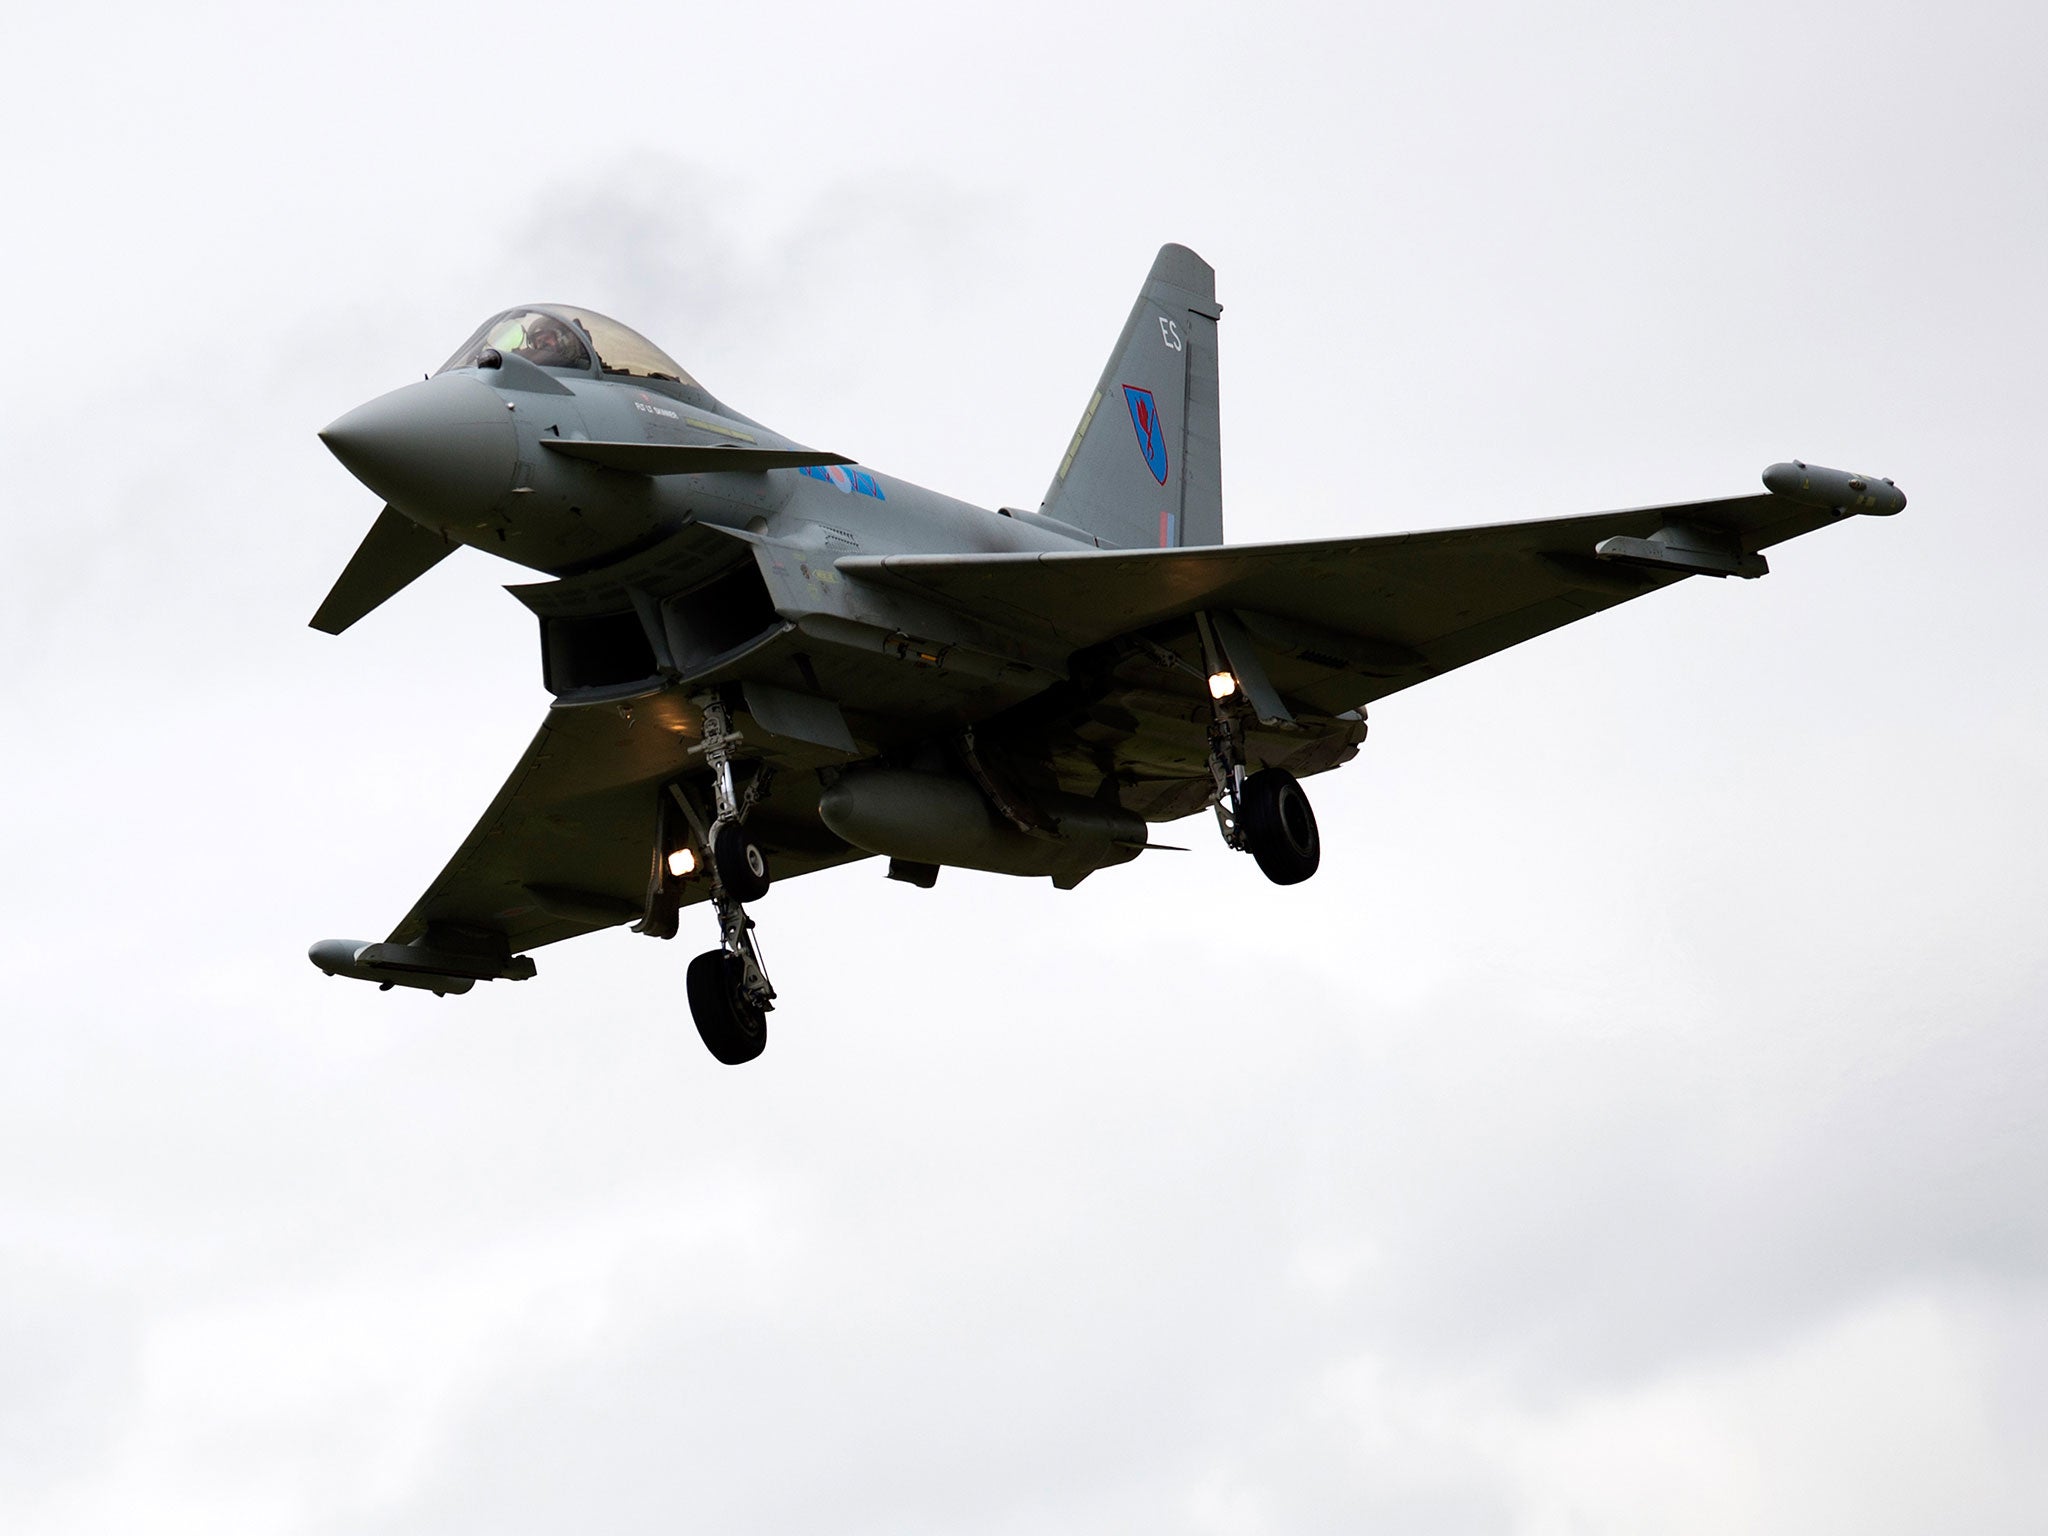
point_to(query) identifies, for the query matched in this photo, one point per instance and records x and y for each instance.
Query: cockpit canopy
(558, 336)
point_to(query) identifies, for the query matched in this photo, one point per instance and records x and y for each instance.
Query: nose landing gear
(729, 991)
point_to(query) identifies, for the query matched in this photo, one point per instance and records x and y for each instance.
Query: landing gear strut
(1265, 814)
(730, 994)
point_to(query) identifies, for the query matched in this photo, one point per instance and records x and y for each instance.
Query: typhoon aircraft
(767, 660)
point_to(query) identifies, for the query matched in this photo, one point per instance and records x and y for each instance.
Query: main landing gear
(1265, 814)
(730, 995)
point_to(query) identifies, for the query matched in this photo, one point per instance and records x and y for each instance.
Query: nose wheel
(741, 866)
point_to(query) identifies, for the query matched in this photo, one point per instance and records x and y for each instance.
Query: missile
(413, 965)
(1837, 490)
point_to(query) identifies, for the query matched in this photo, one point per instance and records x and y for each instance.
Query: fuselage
(465, 453)
(670, 579)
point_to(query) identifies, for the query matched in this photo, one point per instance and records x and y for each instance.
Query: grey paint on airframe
(1023, 667)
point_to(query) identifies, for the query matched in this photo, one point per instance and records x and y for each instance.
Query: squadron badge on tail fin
(1151, 439)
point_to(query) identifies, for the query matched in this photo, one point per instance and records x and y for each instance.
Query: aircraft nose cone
(443, 451)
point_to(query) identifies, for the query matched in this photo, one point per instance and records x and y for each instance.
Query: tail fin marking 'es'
(1145, 467)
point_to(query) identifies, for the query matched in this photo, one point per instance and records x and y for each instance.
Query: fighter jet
(767, 660)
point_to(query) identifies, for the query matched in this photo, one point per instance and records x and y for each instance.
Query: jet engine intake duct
(938, 818)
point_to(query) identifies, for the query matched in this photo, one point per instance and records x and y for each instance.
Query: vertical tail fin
(1145, 467)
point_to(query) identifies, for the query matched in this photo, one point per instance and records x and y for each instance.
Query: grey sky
(1637, 1125)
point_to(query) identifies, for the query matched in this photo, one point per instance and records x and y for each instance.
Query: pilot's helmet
(552, 344)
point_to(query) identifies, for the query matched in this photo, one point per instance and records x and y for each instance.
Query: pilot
(552, 345)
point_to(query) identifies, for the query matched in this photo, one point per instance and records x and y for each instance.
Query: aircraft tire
(733, 1029)
(742, 865)
(1280, 827)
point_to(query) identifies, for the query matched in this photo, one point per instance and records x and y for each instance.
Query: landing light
(683, 862)
(1221, 685)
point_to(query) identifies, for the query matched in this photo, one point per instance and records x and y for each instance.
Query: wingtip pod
(1838, 490)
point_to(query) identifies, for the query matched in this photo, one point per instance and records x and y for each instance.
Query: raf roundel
(853, 481)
